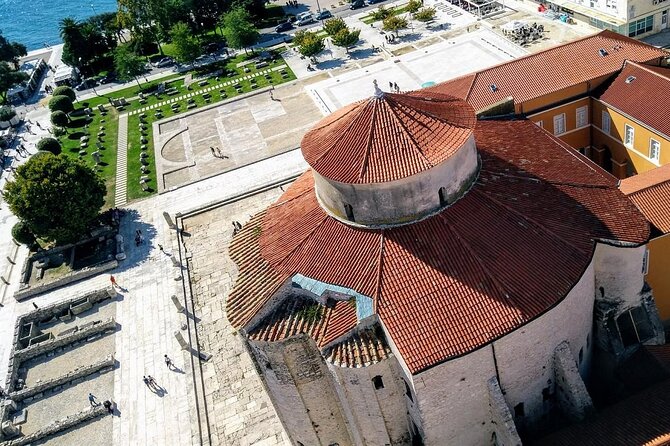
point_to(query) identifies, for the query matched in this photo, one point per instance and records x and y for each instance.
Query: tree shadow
(130, 223)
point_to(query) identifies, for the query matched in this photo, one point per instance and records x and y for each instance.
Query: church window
(581, 355)
(378, 382)
(519, 410)
(408, 392)
(349, 211)
(634, 326)
(444, 200)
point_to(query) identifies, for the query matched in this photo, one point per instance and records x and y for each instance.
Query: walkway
(121, 195)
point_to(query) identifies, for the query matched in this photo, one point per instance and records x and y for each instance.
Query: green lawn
(71, 142)
(71, 145)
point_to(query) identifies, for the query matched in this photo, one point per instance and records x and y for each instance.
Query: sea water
(35, 23)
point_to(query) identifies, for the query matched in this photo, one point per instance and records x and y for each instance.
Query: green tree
(394, 24)
(333, 26)
(83, 43)
(61, 103)
(381, 13)
(238, 29)
(64, 90)
(186, 47)
(300, 36)
(425, 14)
(8, 78)
(57, 197)
(50, 144)
(311, 45)
(21, 233)
(346, 38)
(11, 51)
(128, 64)
(413, 6)
(6, 113)
(60, 119)
(153, 19)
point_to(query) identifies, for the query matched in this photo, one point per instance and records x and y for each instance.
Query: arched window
(443, 196)
(349, 211)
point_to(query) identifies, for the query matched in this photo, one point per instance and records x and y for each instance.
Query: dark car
(355, 4)
(107, 79)
(86, 84)
(323, 15)
(283, 27)
(372, 2)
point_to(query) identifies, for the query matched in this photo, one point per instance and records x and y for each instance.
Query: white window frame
(559, 119)
(584, 112)
(654, 150)
(626, 142)
(540, 124)
(606, 122)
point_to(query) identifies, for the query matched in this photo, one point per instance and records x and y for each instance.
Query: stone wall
(571, 394)
(302, 391)
(377, 417)
(501, 417)
(58, 426)
(80, 372)
(27, 291)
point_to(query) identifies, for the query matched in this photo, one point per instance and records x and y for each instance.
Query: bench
(203, 83)
(260, 65)
(191, 105)
(145, 187)
(99, 146)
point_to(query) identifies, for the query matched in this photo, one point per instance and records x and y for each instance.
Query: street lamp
(94, 12)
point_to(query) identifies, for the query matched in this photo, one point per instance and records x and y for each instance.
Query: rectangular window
(641, 26)
(559, 124)
(629, 137)
(654, 149)
(645, 262)
(634, 326)
(582, 117)
(606, 122)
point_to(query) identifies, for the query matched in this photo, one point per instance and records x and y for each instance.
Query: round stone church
(438, 279)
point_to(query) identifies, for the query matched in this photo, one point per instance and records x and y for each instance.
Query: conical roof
(388, 137)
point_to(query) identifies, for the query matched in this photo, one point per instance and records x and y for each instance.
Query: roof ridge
(473, 255)
(416, 146)
(356, 111)
(649, 70)
(441, 119)
(380, 269)
(368, 146)
(304, 239)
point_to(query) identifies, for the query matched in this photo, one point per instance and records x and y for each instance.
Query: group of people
(139, 238)
(216, 152)
(394, 87)
(292, 3)
(107, 404)
(390, 38)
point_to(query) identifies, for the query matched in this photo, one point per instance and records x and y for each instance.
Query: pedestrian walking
(113, 280)
(212, 149)
(108, 405)
(219, 152)
(91, 399)
(395, 86)
(146, 381)
(160, 247)
(35, 305)
(152, 382)
(390, 85)
(168, 362)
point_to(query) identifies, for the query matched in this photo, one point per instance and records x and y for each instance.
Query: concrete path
(121, 193)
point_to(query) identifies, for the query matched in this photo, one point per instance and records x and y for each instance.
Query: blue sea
(34, 23)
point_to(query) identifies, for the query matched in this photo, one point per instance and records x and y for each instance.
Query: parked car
(372, 2)
(86, 84)
(165, 62)
(111, 77)
(323, 15)
(304, 18)
(283, 27)
(355, 4)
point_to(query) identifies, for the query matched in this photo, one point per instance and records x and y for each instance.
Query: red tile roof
(552, 70)
(639, 420)
(650, 191)
(361, 349)
(389, 137)
(642, 94)
(506, 252)
(297, 315)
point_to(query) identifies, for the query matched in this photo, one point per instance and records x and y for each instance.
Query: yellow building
(650, 192)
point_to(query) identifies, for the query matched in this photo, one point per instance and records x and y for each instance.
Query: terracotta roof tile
(639, 420)
(362, 348)
(650, 191)
(506, 252)
(548, 71)
(388, 138)
(641, 93)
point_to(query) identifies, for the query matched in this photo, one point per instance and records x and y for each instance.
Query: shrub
(413, 5)
(58, 132)
(425, 14)
(59, 119)
(6, 113)
(61, 103)
(49, 145)
(22, 234)
(64, 90)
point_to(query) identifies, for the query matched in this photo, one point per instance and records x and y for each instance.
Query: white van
(304, 18)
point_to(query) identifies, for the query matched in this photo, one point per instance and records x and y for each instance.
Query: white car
(304, 18)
